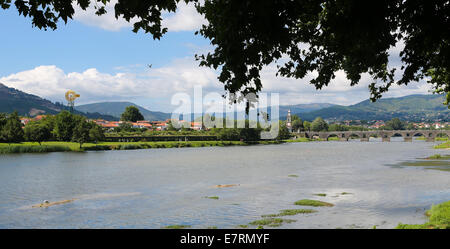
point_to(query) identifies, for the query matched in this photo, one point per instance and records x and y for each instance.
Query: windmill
(70, 97)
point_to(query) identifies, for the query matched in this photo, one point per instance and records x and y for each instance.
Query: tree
(125, 126)
(37, 132)
(395, 124)
(12, 131)
(131, 114)
(337, 127)
(317, 36)
(65, 122)
(319, 125)
(96, 133)
(81, 131)
(307, 125)
(2, 123)
(411, 126)
(283, 133)
(297, 123)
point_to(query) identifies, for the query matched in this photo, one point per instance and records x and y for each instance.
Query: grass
(439, 218)
(345, 193)
(271, 222)
(243, 226)
(298, 140)
(177, 226)
(293, 175)
(321, 194)
(212, 197)
(313, 203)
(287, 212)
(33, 148)
(439, 157)
(56, 146)
(445, 145)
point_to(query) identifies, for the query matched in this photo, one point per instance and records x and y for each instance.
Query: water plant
(271, 222)
(314, 203)
(286, 212)
(212, 197)
(177, 226)
(321, 194)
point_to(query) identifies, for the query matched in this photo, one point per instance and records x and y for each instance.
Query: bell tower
(289, 121)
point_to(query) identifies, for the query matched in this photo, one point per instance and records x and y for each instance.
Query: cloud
(186, 18)
(52, 82)
(156, 86)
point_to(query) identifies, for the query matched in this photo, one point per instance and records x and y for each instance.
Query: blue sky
(103, 60)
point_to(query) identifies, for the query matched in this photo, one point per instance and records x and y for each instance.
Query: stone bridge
(385, 135)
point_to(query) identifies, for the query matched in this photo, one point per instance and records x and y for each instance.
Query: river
(160, 187)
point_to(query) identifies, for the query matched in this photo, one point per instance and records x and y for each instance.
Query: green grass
(293, 175)
(439, 157)
(333, 139)
(33, 148)
(271, 222)
(298, 140)
(445, 145)
(212, 227)
(439, 218)
(345, 193)
(212, 197)
(177, 226)
(287, 212)
(243, 226)
(313, 203)
(70, 146)
(321, 194)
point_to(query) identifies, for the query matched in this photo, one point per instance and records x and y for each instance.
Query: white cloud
(156, 86)
(52, 82)
(186, 18)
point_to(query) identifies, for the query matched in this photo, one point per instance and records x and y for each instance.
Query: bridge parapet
(385, 135)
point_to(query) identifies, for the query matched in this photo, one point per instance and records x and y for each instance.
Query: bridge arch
(333, 135)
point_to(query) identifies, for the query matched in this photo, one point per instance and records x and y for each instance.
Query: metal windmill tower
(70, 97)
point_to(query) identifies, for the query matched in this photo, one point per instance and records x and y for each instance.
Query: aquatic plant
(314, 203)
(177, 226)
(271, 222)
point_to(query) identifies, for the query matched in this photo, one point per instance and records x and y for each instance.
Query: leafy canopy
(302, 36)
(131, 114)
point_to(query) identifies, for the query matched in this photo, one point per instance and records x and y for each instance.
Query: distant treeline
(64, 126)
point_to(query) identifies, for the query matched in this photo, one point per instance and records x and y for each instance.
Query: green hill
(31, 105)
(411, 108)
(117, 108)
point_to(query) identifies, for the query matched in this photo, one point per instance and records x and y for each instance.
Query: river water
(159, 187)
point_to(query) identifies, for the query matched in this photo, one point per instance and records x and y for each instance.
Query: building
(289, 121)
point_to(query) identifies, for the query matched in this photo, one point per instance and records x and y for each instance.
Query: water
(159, 187)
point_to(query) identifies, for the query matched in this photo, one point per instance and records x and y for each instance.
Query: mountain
(411, 108)
(302, 108)
(26, 104)
(117, 108)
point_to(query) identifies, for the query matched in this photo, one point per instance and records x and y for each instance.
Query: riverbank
(439, 218)
(32, 147)
(54, 146)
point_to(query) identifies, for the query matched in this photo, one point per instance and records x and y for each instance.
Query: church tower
(289, 121)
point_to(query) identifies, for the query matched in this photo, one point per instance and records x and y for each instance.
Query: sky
(103, 60)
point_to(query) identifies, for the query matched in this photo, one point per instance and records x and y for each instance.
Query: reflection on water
(159, 187)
